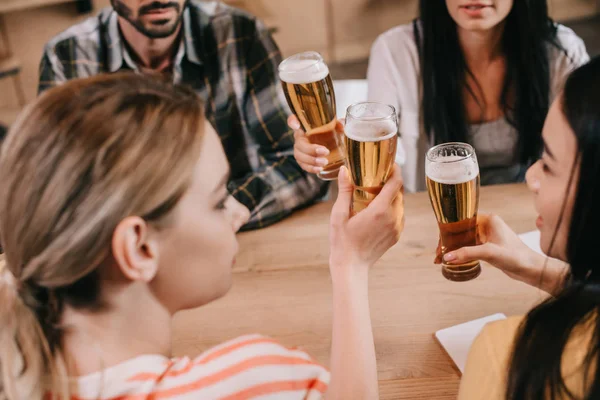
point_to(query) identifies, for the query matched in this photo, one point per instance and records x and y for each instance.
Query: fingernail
(322, 151)
(318, 170)
(295, 125)
(322, 161)
(449, 257)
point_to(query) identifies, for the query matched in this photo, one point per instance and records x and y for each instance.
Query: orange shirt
(244, 368)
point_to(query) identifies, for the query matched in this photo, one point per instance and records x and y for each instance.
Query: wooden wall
(302, 25)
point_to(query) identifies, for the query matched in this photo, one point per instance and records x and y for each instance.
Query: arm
(353, 363)
(545, 273)
(355, 245)
(393, 78)
(278, 186)
(51, 71)
(380, 74)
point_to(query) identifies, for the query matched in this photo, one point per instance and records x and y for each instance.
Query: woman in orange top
(114, 215)
(551, 353)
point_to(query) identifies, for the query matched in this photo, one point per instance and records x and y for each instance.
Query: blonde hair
(79, 160)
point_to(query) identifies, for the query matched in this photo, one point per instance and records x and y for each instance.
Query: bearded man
(230, 59)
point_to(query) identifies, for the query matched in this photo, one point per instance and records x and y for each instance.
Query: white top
(395, 78)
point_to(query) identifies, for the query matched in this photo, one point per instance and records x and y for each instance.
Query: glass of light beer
(308, 89)
(453, 184)
(371, 138)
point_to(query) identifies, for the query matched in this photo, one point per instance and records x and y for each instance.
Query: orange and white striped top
(250, 367)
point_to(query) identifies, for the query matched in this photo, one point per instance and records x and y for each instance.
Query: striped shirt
(250, 367)
(230, 59)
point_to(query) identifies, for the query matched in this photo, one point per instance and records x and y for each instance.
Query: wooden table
(282, 289)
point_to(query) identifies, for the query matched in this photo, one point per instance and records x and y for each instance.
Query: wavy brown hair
(80, 159)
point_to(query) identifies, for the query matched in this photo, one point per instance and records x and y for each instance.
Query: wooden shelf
(18, 5)
(9, 66)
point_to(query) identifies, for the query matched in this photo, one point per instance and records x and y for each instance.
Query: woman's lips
(474, 10)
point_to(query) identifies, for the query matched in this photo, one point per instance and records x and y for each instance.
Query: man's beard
(159, 29)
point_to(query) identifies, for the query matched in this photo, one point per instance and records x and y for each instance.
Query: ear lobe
(134, 251)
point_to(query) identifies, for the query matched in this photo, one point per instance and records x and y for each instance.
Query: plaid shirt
(229, 58)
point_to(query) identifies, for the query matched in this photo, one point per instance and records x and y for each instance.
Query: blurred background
(342, 30)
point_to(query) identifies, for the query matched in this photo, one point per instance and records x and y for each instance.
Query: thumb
(341, 208)
(390, 189)
(486, 252)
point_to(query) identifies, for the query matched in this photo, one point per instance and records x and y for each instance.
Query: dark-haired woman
(551, 353)
(476, 71)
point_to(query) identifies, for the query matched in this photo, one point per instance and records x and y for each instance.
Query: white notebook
(458, 339)
(532, 240)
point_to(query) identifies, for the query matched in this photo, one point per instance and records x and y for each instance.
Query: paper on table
(458, 339)
(532, 240)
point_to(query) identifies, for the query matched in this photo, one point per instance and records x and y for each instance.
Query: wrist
(555, 274)
(349, 275)
(534, 270)
(545, 273)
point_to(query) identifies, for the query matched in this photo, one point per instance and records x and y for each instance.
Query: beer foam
(370, 131)
(301, 72)
(452, 170)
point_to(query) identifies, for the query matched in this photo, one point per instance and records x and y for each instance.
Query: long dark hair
(535, 371)
(526, 89)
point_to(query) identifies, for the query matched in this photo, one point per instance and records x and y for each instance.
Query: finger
(303, 145)
(486, 252)
(390, 191)
(341, 209)
(310, 168)
(293, 122)
(309, 160)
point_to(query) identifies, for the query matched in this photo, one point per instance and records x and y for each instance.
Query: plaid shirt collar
(118, 54)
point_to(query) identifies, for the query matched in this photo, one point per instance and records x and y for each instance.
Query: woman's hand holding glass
(501, 247)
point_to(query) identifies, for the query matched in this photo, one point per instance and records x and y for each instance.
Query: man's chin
(159, 29)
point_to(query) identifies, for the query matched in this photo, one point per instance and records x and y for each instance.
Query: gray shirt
(496, 147)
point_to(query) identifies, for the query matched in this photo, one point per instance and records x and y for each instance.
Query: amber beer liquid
(453, 185)
(308, 89)
(371, 151)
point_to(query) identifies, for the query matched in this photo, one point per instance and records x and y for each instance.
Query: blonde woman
(114, 217)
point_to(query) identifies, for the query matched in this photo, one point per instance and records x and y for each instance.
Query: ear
(135, 249)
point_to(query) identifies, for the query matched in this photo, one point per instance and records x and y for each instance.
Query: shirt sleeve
(393, 79)
(569, 56)
(278, 186)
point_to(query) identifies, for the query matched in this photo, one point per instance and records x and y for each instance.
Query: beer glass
(308, 89)
(453, 184)
(371, 138)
